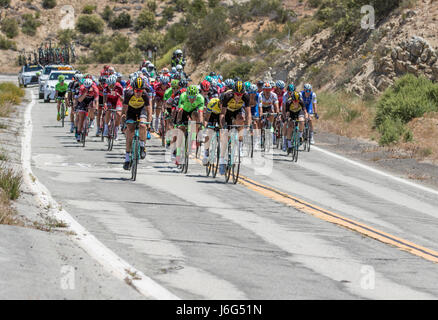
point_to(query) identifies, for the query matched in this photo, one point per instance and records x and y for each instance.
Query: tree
(49, 4)
(10, 27)
(147, 39)
(123, 20)
(145, 19)
(90, 24)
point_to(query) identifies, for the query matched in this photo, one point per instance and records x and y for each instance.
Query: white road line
(363, 166)
(107, 258)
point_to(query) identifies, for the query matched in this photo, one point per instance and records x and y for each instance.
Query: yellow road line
(337, 219)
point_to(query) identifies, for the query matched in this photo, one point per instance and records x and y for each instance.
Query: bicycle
(135, 148)
(62, 110)
(233, 160)
(306, 136)
(214, 152)
(187, 145)
(295, 141)
(85, 129)
(111, 129)
(266, 126)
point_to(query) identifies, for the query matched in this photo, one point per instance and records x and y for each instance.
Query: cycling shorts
(85, 104)
(214, 117)
(268, 109)
(232, 115)
(134, 114)
(296, 115)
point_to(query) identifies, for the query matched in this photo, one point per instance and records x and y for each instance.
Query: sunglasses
(138, 90)
(191, 97)
(238, 94)
(308, 91)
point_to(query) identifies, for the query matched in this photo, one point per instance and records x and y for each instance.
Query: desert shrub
(145, 19)
(30, 24)
(410, 97)
(123, 20)
(90, 24)
(6, 44)
(149, 39)
(66, 36)
(152, 5)
(236, 68)
(88, 9)
(106, 48)
(10, 182)
(10, 27)
(4, 3)
(177, 33)
(49, 4)
(168, 13)
(208, 33)
(107, 13)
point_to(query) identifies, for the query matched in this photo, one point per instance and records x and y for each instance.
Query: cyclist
(268, 102)
(177, 58)
(136, 101)
(213, 111)
(160, 88)
(293, 110)
(260, 85)
(229, 84)
(113, 96)
(190, 107)
(233, 103)
(72, 95)
(280, 90)
(309, 99)
(60, 90)
(101, 86)
(151, 70)
(88, 100)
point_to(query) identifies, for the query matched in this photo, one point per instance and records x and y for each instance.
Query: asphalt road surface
(203, 239)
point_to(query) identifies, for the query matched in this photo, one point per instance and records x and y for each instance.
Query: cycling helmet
(260, 83)
(118, 75)
(78, 76)
(173, 70)
(237, 79)
(208, 78)
(123, 83)
(88, 76)
(164, 79)
(165, 70)
(212, 74)
(111, 70)
(183, 83)
(229, 83)
(179, 67)
(61, 78)
(102, 79)
(213, 83)
(272, 83)
(220, 77)
(252, 89)
(178, 52)
(280, 84)
(138, 83)
(151, 66)
(205, 85)
(247, 85)
(307, 86)
(175, 84)
(88, 83)
(267, 86)
(239, 87)
(112, 79)
(291, 88)
(192, 91)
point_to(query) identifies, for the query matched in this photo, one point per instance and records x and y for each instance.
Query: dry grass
(8, 215)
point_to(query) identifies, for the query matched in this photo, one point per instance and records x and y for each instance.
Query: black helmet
(183, 83)
(138, 83)
(239, 87)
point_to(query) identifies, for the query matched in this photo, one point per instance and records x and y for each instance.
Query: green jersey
(61, 87)
(167, 94)
(185, 104)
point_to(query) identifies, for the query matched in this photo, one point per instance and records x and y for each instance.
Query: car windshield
(55, 75)
(47, 70)
(32, 68)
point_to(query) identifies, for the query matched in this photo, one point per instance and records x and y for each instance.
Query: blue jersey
(308, 101)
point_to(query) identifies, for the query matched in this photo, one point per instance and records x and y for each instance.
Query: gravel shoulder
(40, 260)
(392, 161)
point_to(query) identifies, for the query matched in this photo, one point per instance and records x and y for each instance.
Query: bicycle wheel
(229, 164)
(308, 138)
(111, 133)
(295, 145)
(134, 158)
(84, 131)
(186, 157)
(163, 131)
(62, 113)
(236, 162)
(218, 153)
(210, 163)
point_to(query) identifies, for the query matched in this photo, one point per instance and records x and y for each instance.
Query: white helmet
(307, 86)
(144, 70)
(88, 83)
(179, 67)
(177, 52)
(112, 79)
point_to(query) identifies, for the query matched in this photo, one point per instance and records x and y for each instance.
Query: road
(203, 239)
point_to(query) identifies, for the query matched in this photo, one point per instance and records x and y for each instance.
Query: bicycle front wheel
(134, 158)
(236, 162)
(62, 113)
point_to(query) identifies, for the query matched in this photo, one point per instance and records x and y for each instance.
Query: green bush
(410, 97)
(30, 24)
(212, 29)
(257, 8)
(176, 34)
(168, 13)
(4, 3)
(106, 48)
(49, 4)
(145, 19)
(90, 24)
(236, 68)
(149, 39)
(152, 5)
(88, 9)
(10, 182)
(66, 36)
(10, 27)
(123, 20)
(107, 13)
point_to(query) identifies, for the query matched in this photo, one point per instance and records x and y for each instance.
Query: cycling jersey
(159, 91)
(114, 95)
(293, 103)
(61, 88)
(214, 106)
(136, 103)
(92, 92)
(187, 106)
(168, 95)
(268, 101)
(280, 97)
(228, 101)
(308, 101)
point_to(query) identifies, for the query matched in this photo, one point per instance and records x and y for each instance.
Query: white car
(28, 75)
(50, 83)
(46, 73)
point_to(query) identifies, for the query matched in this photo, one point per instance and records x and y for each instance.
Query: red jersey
(92, 92)
(114, 95)
(280, 96)
(101, 89)
(159, 91)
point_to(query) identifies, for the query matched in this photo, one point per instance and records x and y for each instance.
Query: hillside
(321, 42)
